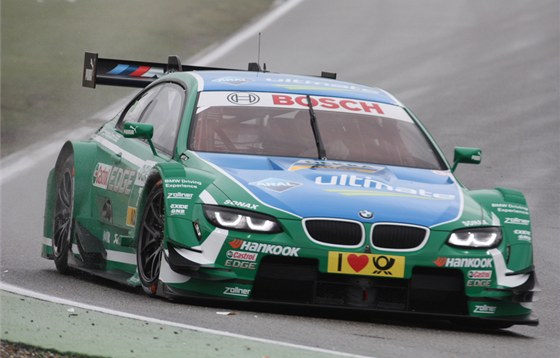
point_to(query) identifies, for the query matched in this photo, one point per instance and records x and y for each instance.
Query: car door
(131, 162)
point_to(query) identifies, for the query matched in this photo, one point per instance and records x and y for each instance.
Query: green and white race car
(259, 186)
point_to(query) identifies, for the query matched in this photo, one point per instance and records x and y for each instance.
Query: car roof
(249, 81)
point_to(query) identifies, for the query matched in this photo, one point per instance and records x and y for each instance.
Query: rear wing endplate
(126, 73)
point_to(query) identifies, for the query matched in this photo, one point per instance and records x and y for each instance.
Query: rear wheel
(63, 214)
(150, 240)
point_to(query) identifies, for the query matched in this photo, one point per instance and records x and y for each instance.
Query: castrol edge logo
(298, 101)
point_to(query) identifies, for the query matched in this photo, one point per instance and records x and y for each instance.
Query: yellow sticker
(350, 263)
(131, 216)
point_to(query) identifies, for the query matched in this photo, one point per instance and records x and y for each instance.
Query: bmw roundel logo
(366, 214)
(243, 98)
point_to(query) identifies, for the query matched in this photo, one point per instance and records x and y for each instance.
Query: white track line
(57, 300)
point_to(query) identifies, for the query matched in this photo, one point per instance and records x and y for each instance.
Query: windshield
(281, 125)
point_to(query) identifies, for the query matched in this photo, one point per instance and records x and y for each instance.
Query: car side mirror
(141, 131)
(466, 155)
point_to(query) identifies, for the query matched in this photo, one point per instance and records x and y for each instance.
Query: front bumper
(429, 292)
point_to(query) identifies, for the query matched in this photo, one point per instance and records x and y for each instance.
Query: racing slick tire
(63, 213)
(150, 240)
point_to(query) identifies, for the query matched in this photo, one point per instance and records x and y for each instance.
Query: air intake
(398, 237)
(335, 232)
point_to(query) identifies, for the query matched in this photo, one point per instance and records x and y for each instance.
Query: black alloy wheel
(63, 214)
(150, 240)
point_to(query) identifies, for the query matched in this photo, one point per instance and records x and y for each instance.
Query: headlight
(482, 237)
(235, 219)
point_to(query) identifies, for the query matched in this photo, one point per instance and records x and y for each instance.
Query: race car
(268, 187)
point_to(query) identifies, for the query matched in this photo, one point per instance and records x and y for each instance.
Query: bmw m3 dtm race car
(260, 186)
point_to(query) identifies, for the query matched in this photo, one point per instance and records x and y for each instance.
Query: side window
(161, 106)
(140, 106)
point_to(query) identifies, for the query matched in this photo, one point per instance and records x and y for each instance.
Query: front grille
(335, 232)
(397, 237)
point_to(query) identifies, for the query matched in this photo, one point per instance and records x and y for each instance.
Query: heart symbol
(357, 262)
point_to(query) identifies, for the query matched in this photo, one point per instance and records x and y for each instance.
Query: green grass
(43, 42)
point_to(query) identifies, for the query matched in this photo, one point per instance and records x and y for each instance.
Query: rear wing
(126, 73)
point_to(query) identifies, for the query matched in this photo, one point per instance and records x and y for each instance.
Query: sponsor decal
(136, 71)
(180, 196)
(131, 216)
(236, 243)
(480, 274)
(241, 204)
(181, 183)
(479, 278)
(523, 235)
(106, 237)
(307, 83)
(233, 80)
(113, 178)
(511, 208)
(241, 264)
(289, 101)
(517, 221)
(237, 291)
(478, 283)
(130, 131)
(101, 175)
(323, 165)
(486, 309)
(88, 73)
(243, 98)
(463, 262)
(474, 222)
(366, 182)
(277, 250)
(240, 255)
(277, 185)
(178, 209)
(106, 210)
(328, 103)
(143, 173)
(121, 180)
(117, 239)
(366, 264)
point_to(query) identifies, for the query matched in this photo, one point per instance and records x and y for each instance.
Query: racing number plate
(366, 264)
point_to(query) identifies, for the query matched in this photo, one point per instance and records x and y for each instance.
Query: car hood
(330, 189)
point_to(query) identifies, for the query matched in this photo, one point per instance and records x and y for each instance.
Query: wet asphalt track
(477, 73)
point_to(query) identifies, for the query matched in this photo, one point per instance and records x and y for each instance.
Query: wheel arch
(85, 154)
(153, 178)
(175, 225)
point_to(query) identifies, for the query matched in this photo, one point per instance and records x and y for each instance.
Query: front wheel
(63, 214)
(150, 240)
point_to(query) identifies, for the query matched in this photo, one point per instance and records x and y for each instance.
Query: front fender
(183, 188)
(510, 207)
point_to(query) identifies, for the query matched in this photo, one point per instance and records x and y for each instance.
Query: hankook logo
(243, 98)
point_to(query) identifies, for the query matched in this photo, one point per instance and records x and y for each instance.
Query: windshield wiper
(314, 126)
